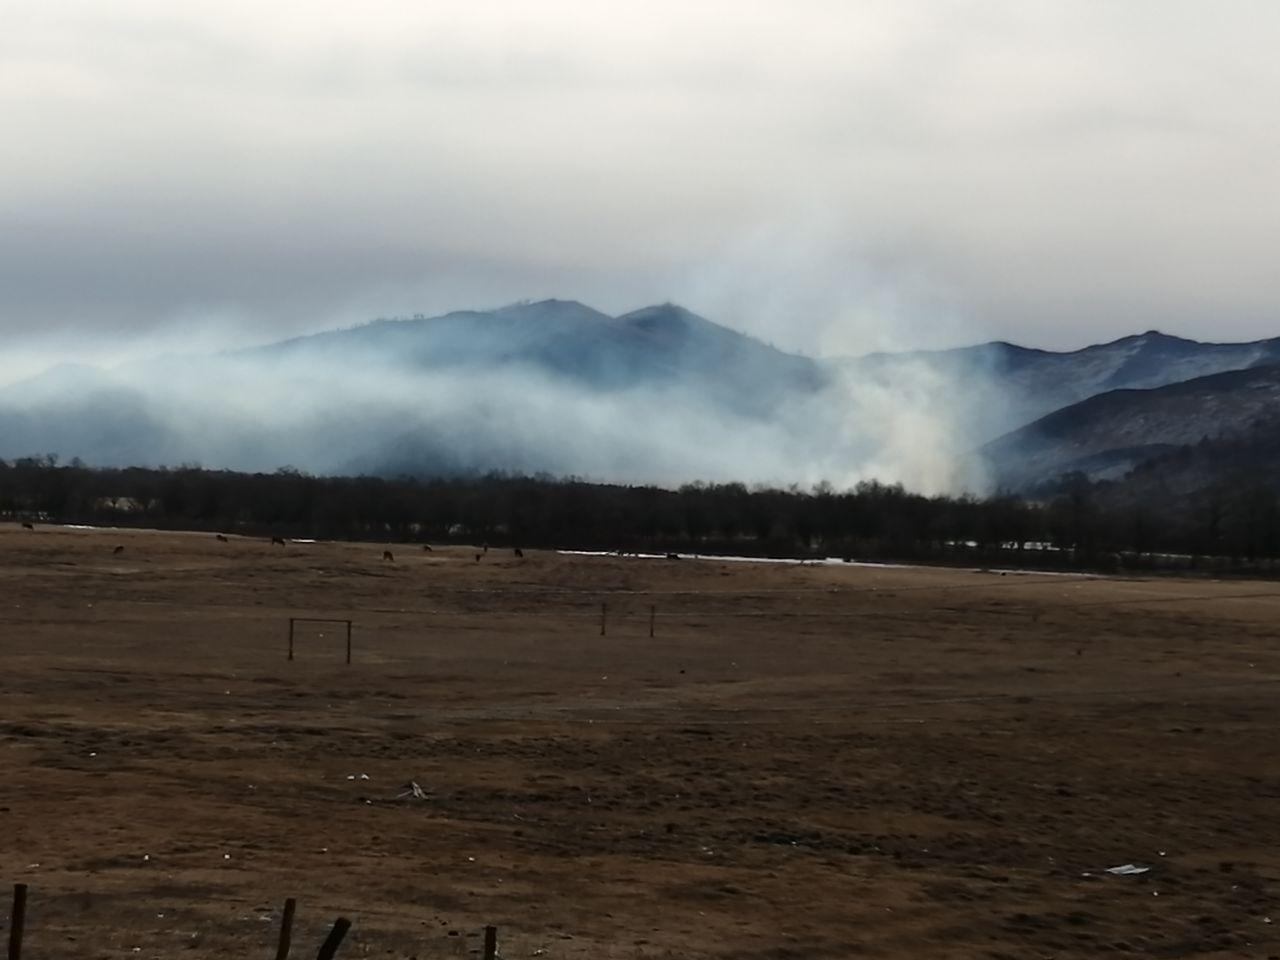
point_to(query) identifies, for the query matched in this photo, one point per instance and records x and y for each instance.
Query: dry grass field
(804, 762)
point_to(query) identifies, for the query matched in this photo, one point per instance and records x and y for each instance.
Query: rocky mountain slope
(1108, 435)
(660, 345)
(1020, 384)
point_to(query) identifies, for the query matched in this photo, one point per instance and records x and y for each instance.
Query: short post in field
(653, 613)
(16, 920)
(490, 943)
(293, 630)
(604, 614)
(334, 940)
(286, 929)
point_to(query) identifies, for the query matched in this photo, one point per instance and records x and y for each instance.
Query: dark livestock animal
(277, 540)
(426, 548)
(28, 526)
(222, 538)
(519, 553)
(117, 551)
(386, 555)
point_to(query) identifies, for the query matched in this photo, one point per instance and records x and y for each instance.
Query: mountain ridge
(653, 393)
(1109, 434)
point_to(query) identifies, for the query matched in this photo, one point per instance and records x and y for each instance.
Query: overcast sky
(834, 176)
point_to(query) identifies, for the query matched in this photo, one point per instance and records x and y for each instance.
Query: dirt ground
(803, 762)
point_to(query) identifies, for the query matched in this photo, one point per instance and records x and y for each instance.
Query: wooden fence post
(348, 642)
(16, 920)
(334, 940)
(604, 614)
(291, 619)
(653, 613)
(286, 929)
(490, 943)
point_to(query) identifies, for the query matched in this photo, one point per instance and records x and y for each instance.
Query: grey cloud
(833, 177)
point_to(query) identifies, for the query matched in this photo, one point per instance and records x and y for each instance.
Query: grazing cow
(386, 555)
(673, 556)
(277, 540)
(117, 551)
(28, 526)
(426, 548)
(222, 538)
(519, 553)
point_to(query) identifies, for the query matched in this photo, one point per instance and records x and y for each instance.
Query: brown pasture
(803, 762)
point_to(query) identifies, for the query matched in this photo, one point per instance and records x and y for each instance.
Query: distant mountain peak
(664, 316)
(550, 308)
(550, 303)
(1159, 336)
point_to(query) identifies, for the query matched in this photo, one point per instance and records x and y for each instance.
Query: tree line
(1077, 524)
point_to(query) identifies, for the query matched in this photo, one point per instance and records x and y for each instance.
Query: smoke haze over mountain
(659, 396)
